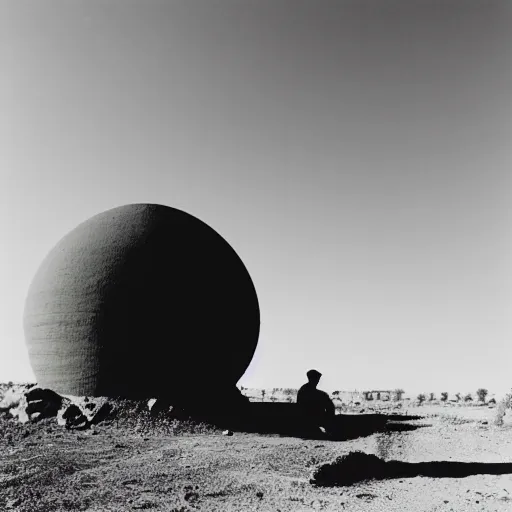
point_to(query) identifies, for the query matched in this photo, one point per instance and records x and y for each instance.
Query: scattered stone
(227, 433)
(259, 494)
(503, 495)
(366, 496)
(191, 497)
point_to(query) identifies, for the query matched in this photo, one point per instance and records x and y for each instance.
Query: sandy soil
(43, 467)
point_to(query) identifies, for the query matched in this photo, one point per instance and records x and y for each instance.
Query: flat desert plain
(145, 465)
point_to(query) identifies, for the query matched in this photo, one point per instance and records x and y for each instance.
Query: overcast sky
(356, 154)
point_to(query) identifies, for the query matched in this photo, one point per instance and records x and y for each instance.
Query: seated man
(316, 407)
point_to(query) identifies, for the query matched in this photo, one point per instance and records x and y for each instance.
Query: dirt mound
(349, 469)
(28, 403)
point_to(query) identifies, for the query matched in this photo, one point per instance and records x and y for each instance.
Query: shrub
(421, 398)
(501, 410)
(468, 398)
(444, 396)
(431, 397)
(482, 394)
(458, 396)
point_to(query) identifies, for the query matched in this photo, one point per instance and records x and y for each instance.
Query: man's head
(313, 376)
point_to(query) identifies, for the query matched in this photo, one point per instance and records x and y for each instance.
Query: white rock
(12, 398)
(20, 411)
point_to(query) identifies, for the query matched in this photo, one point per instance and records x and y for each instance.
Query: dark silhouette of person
(316, 407)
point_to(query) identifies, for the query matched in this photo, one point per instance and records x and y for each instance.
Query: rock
(74, 418)
(11, 399)
(45, 395)
(151, 403)
(20, 411)
(227, 433)
(40, 409)
(102, 413)
(157, 406)
(43, 403)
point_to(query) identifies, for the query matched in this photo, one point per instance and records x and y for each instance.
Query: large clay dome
(141, 301)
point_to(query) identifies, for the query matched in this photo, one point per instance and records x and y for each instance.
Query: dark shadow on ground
(285, 419)
(358, 466)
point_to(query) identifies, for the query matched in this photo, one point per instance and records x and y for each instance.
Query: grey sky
(355, 154)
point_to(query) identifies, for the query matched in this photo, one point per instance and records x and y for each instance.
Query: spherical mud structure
(141, 301)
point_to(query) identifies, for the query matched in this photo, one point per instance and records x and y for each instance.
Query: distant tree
(482, 394)
(336, 395)
(398, 394)
(458, 396)
(444, 396)
(263, 393)
(431, 397)
(468, 398)
(421, 398)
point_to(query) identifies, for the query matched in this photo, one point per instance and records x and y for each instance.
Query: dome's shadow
(285, 419)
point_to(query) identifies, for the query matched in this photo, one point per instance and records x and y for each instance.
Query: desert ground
(133, 461)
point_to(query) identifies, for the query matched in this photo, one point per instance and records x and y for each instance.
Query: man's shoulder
(304, 391)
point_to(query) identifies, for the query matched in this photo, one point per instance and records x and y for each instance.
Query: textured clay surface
(141, 300)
